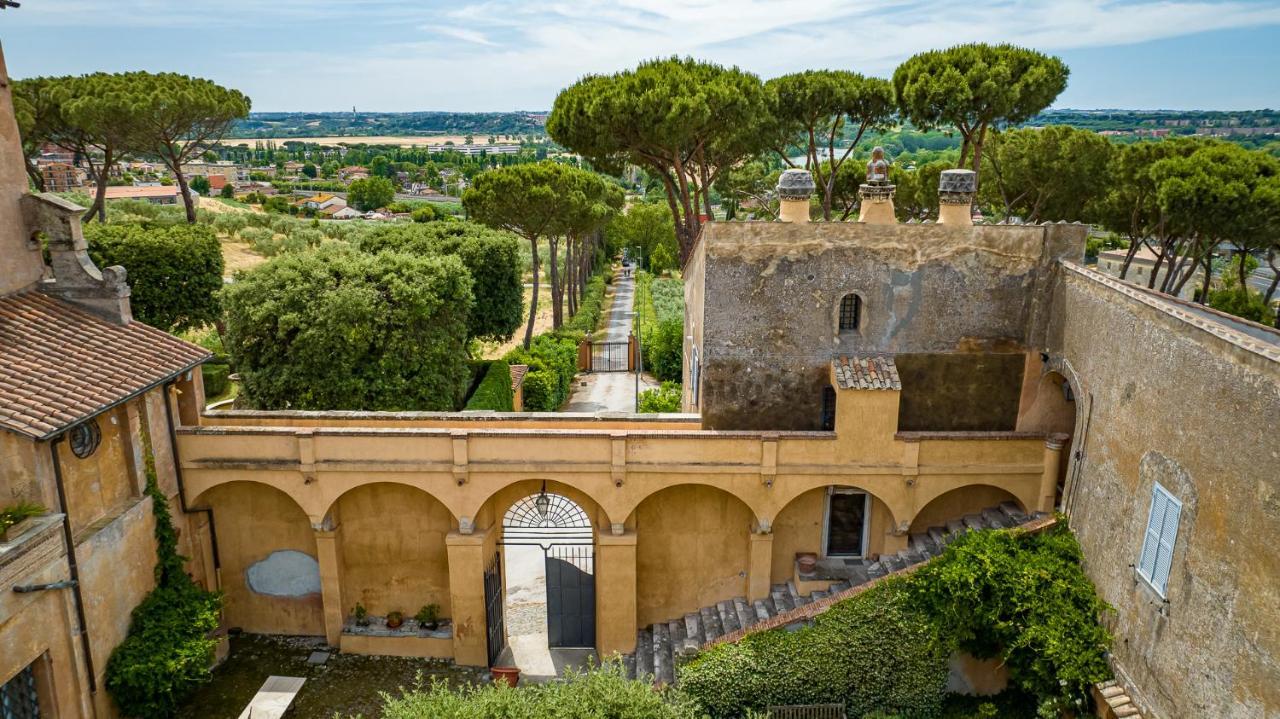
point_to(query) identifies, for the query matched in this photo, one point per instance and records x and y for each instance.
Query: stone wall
(765, 298)
(1166, 395)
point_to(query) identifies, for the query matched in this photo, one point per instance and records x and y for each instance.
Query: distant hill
(1181, 121)
(361, 124)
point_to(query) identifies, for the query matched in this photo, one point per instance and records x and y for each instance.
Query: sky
(499, 55)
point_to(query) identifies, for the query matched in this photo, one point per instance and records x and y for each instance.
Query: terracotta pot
(394, 620)
(806, 561)
(510, 675)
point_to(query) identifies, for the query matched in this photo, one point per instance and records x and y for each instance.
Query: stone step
(876, 569)
(996, 519)
(842, 586)
(663, 671)
(922, 543)
(675, 628)
(939, 537)
(728, 617)
(1010, 510)
(644, 653)
(693, 628)
(973, 521)
(781, 601)
(711, 623)
(955, 527)
(746, 615)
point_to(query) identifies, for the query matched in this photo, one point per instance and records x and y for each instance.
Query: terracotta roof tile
(866, 372)
(518, 371)
(60, 364)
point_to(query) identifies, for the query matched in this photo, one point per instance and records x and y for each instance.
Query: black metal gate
(18, 699)
(610, 356)
(571, 596)
(493, 609)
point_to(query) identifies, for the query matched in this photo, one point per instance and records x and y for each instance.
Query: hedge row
(587, 318)
(553, 361)
(873, 652)
(494, 391)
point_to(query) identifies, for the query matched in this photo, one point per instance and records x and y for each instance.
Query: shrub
(872, 652)
(494, 391)
(215, 374)
(599, 692)
(587, 318)
(661, 326)
(1244, 303)
(491, 256)
(168, 651)
(1024, 598)
(666, 398)
(341, 329)
(540, 393)
(174, 273)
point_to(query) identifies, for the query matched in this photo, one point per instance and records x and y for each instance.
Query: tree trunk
(1275, 277)
(1244, 274)
(186, 193)
(99, 206)
(571, 275)
(557, 290)
(533, 301)
(1208, 278)
(33, 172)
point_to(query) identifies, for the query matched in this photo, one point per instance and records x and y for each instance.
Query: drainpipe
(182, 489)
(74, 569)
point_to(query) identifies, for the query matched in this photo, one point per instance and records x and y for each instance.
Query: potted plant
(394, 620)
(13, 520)
(361, 615)
(510, 675)
(806, 561)
(428, 617)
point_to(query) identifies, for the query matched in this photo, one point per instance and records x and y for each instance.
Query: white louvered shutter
(1168, 535)
(1151, 539)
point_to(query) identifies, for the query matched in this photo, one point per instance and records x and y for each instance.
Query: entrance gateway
(562, 529)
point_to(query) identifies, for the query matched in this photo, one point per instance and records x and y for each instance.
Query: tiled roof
(59, 364)
(518, 371)
(871, 372)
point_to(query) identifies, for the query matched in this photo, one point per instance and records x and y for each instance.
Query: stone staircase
(660, 645)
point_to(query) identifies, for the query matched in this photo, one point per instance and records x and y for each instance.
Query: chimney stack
(956, 189)
(876, 194)
(795, 187)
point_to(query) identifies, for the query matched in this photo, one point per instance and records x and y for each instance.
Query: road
(611, 391)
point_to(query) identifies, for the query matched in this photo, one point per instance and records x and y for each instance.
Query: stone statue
(878, 168)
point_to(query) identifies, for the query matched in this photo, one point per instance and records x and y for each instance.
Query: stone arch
(494, 508)
(798, 527)
(263, 532)
(692, 550)
(1055, 410)
(882, 489)
(391, 547)
(955, 503)
(335, 490)
(742, 487)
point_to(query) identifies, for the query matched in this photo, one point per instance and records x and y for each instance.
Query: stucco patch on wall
(286, 573)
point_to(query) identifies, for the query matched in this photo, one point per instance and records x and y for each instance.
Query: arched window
(850, 312)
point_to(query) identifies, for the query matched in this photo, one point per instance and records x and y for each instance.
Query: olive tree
(976, 87)
(682, 120)
(818, 109)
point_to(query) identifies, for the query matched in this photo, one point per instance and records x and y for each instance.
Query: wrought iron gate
(493, 609)
(571, 596)
(610, 356)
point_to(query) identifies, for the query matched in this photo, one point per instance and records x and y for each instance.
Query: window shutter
(1168, 534)
(1151, 538)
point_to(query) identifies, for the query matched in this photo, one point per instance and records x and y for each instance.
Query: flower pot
(394, 620)
(806, 561)
(510, 675)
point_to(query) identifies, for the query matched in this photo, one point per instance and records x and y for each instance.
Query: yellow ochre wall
(393, 549)
(691, 551)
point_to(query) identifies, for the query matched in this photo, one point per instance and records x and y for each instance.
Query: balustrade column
(760, 559)
(1052, 465)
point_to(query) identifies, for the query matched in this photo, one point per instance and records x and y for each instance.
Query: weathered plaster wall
(965, 392)
(772, 294)
(101, 485)
(393, 550)
(959, 502)
(695, 275)
(691, 551)
(798, 528)
(254, 520)
(1163, 400)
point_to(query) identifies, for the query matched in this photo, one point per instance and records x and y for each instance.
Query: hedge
(215, 374)
(494, 391)
(666, 398)
(337, 328)
(596, 693)
(587, 318)
(553, 362)
(661, 325)
(174, 273)
(873, 652)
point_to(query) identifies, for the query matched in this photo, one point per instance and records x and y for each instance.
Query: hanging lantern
(543, 502)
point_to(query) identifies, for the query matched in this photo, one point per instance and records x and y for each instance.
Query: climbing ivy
(1023, 598)
(168, 651)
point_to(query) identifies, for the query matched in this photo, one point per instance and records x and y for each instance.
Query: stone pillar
(328, 555)
(876, 207)
(956, 189)
(1049, 477)
(616, 594)
(468, 557)
(795, 187)
(760, 568)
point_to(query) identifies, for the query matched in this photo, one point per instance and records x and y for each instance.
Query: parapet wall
(1167, 393)
(770, 294)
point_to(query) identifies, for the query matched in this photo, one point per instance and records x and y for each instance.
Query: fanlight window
(850, 309)
(546, 510)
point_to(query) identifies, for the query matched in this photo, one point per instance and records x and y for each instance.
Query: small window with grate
(850, 311)
(828, 409)
(19, 698)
